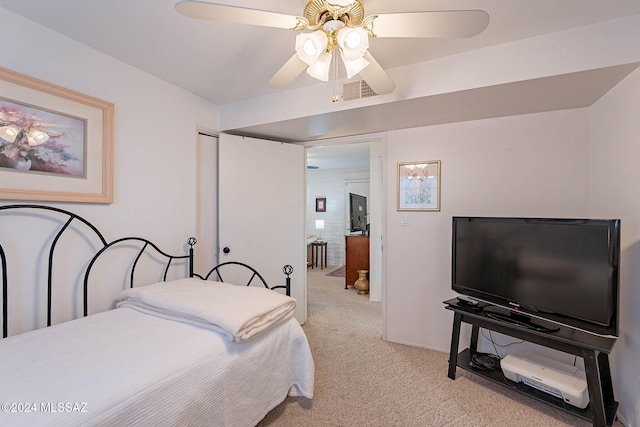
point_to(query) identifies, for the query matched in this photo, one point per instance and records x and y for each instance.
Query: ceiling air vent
(356, 90)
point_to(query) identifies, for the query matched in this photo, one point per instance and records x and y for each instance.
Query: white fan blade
(234, 14)
(461, 23)
(376, 77)
(288, 72)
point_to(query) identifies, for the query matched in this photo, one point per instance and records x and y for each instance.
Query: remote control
(468, 300)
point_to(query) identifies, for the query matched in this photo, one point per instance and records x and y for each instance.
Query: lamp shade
(319, 224)
(320, 68)
(309, 46)
(353, 42)
(354, 66)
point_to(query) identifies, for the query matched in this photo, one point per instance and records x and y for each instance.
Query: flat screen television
(564, 271)
(358, 212)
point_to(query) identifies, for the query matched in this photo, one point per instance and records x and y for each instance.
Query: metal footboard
(253, 273)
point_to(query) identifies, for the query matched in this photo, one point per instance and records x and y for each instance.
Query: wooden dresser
(357, 247)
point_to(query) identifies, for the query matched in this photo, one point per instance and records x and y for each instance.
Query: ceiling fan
(340, 27)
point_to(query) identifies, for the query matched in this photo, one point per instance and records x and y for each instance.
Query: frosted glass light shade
(354, 66)
(353, 42)
(309, 46)
(320, 69)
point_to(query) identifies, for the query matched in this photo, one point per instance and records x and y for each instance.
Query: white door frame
(378, 175)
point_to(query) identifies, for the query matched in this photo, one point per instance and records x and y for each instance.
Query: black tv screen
(562, 270)
(358, 212)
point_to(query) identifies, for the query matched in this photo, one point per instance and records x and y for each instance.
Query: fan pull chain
(334, 77)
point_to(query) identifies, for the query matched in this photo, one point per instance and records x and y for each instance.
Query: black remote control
(468, 301)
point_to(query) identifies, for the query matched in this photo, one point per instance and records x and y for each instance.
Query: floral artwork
(419, 186)
(56, 144)
(42, 141)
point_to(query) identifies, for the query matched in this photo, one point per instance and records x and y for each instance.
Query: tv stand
(593, 349)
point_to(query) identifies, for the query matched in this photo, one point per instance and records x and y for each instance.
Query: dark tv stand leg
(455, 340)
(599, 383)
(475, 331)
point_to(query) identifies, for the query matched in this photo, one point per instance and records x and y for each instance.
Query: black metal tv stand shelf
(593, 349)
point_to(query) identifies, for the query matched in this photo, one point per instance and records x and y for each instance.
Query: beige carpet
(364, 381)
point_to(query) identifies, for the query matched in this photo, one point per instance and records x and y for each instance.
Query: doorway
(334, 170)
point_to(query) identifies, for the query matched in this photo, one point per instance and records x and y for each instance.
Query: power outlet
(405, 220)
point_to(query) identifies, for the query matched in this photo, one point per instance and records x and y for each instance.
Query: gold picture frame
(56, 144)
(419, 186)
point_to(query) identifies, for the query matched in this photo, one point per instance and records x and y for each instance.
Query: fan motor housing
(318, 12)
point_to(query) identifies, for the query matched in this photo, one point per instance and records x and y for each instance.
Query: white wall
(155, 129)
(530, 165)
(330, 183)
(155, 132)
(613, 182)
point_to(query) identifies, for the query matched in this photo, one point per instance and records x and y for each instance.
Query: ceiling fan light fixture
(309, 46)
(353, 39)
(353, 42)
(354, 66)
(333, 26)
(320, 69)
(342, 23)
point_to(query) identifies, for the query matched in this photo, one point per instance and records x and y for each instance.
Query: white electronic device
(550, 376)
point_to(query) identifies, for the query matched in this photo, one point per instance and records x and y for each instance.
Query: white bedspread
(240, 312)
(123, 367)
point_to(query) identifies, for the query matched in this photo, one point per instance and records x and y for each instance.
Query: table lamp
(320, 226)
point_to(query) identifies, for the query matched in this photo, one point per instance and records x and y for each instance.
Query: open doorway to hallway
(335, 171)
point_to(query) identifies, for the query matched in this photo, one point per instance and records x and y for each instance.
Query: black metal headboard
(146, 244)
(65, 225)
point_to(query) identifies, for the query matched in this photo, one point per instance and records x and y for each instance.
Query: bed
(183, 351)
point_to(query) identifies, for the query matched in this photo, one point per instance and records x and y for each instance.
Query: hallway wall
(331, 184)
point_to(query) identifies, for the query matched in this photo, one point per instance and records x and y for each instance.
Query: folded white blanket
(240, 312)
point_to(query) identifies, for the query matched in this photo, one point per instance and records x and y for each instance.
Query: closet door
(261, 209)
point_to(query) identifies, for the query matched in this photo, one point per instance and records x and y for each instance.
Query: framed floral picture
(419, 186)
(55, 144)
(321, 204)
